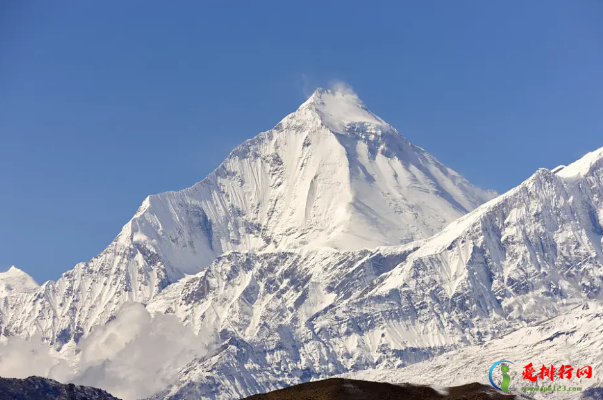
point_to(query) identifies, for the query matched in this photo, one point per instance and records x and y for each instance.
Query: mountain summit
(279, 261)
(530, 257)
(16, 281)
(329, 175)
(339, 108)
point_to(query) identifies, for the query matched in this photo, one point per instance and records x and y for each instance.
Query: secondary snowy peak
(15, 281)
(581, 167)
(573, 338)
(529, 255)
(329, 175)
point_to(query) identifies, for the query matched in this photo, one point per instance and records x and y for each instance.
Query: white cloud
(307, 85)
(20, 358)
(342, 87)
(132, 357)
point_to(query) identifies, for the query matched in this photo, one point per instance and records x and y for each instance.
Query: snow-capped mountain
(16, 287)
(330, 175)
(573, 338)
(330, 245)
(284, 318)
(15, 281)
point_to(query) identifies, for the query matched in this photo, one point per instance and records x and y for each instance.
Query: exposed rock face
(527, 256)
(36, 388)
(330, 245)
(572, 339)
(348, 389)
(332, 174)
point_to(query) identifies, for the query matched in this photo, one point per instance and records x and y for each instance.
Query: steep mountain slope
(16, 287)
(276, 239)
(331, 174)
(15, 281)
(573, 338)
(349, 389)
(286, 318)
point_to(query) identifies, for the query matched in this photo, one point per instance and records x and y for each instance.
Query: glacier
(525, 257)
(330, 175)
(331, 245)
(567, 339)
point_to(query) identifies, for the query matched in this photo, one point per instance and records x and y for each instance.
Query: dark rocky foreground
(348, 389)
(36, 388)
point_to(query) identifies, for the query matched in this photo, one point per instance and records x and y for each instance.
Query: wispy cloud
(132, 357)
(307, 85)
(20, 358)
(342, 87)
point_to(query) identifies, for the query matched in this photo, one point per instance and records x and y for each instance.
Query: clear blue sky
(105, 102)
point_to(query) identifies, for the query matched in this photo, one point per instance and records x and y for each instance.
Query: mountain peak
(14, 281)
(582, 166)
(12, 271)
(340, 106)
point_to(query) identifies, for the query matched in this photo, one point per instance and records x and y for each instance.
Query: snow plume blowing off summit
(273, 235)
(331, 174)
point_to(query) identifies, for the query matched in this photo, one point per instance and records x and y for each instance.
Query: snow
(133, 356)
(581, 167)
(525, 257)
(340, 107)
(15, 281)
(329, 175)
(564, 340)
(327, 245)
